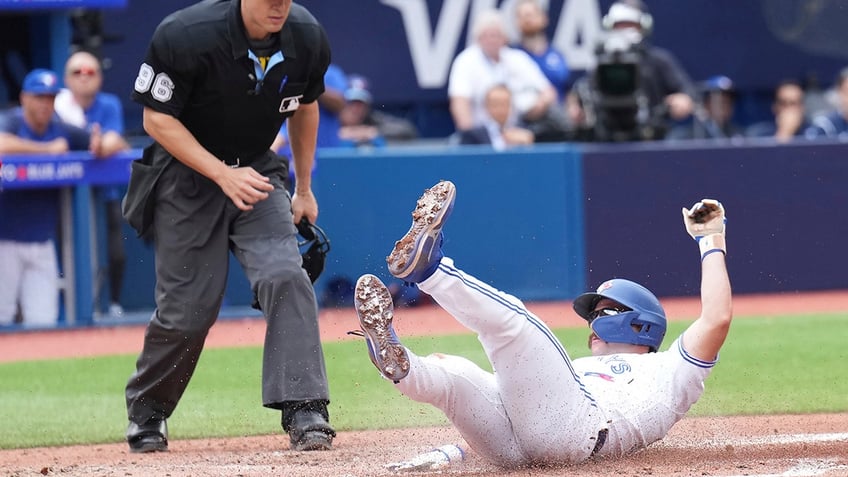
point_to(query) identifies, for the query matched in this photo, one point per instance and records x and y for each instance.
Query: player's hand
(57, 146)
(245, 187)
(680, 105)
(95, 145)
(706, 223)
(704, 218)
(304, 205)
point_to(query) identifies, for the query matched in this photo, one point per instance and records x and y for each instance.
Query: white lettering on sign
(577, 32)
(8, 173)
(41, 172)
(431, 55)
(70, 170)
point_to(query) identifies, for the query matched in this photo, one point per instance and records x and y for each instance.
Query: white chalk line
(778, 439)
(805, 468)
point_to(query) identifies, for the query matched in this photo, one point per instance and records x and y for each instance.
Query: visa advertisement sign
(405, 47)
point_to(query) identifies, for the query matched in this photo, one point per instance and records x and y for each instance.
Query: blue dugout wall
(547, 223)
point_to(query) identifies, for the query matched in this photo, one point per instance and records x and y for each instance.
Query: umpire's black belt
(234, 162)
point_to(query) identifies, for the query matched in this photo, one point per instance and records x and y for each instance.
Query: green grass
(768, 365)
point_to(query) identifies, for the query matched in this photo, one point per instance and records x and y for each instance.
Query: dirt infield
(808, 445)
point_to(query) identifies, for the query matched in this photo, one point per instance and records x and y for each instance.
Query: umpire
(218, 80)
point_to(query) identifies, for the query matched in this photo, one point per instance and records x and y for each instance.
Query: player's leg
(10, 277)
(467, 394)
(191, 261)
(294, 378)
(554, 417)
(39, 290)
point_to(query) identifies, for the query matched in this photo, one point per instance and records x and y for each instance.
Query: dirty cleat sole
(376, 311)
(413, 258)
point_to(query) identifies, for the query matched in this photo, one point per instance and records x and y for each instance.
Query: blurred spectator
(30, 272)
(713, 117)
(82, 103)
(330, 104)
(496, 129)
(490, 61)
(835, 123)
(790, 118)
(532, 23)
(364, 125)
(355, 130)
(637, 90)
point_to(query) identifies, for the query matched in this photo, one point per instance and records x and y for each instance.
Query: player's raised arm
(705, 222)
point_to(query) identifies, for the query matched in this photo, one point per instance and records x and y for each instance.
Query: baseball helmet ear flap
(633, 11)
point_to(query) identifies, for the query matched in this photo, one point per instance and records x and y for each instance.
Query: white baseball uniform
(539, 406)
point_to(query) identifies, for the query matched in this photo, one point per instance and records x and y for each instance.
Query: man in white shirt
(490, 61)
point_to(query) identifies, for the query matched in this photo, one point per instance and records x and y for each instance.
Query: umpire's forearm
(303, 130)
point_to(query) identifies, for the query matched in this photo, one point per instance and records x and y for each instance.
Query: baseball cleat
(417, 255)
(375, 309)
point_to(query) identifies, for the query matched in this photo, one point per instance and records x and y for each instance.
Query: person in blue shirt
(835, 123)
(83, 104)
(532, 23)
(330, 104)
(30, 274)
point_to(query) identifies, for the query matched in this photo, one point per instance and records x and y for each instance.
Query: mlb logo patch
(290, 104)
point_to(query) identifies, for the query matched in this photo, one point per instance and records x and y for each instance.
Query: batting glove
(706, 222)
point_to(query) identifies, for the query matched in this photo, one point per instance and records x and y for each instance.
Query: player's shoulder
(303, 24)
(201, 21)
(301, 15)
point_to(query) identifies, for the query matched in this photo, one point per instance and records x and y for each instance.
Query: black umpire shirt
(230, 93)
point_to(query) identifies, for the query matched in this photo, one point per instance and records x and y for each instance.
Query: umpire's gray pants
(195, 225)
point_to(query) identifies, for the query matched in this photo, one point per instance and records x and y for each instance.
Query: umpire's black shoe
(307, 425)
(151, 436)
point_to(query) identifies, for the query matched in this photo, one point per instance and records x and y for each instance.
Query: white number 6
(161, 86)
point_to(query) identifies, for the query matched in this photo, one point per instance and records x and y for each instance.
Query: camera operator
(636, 89)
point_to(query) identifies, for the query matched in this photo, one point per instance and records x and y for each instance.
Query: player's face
(491, 40)
(599, 347)
(264, 17)
(531, 19)
(499, 104)
(38, 110)
(82, 75)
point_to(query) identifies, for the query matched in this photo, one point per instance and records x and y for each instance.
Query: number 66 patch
(290, 104)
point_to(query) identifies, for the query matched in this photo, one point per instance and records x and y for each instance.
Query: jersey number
(160, 85)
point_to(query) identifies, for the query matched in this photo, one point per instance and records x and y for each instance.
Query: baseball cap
(41, 81)
(718, 83)
(358, 90)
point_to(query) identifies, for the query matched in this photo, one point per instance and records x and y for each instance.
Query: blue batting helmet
(647, 314)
